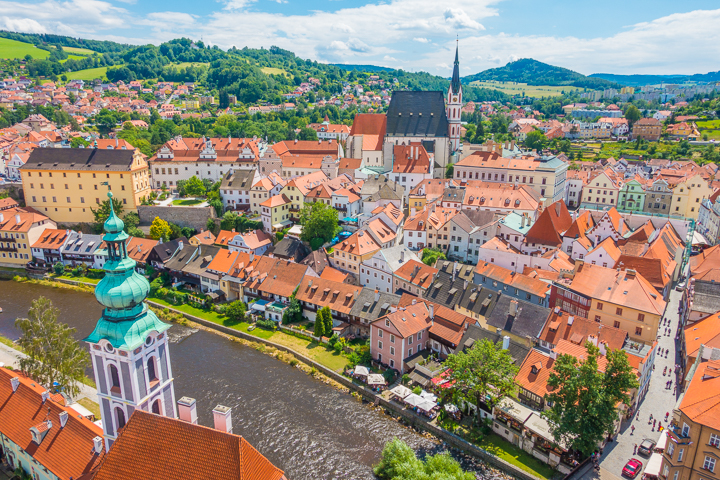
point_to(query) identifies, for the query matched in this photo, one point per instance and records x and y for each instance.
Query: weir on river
(304, 427)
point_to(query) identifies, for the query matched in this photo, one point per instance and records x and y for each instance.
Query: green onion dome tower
(128, 346)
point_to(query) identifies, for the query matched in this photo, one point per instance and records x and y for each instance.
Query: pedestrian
(654, 422)
(632, 430)
(635, 449)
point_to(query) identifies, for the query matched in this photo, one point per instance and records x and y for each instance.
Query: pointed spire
(455, 82)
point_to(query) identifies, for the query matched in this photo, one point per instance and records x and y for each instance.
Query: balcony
(676, 432)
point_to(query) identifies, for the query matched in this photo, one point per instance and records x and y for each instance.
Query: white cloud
(26, 25)
(421, 40)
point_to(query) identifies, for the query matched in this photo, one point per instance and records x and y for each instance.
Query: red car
(632, 468)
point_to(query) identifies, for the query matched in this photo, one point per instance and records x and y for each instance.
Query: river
(304, 427)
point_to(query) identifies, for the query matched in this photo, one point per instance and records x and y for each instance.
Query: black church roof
(419, 114)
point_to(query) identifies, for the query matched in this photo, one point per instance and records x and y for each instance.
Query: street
(658, 400)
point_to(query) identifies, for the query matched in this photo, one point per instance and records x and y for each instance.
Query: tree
(450, 171)
(59, 268)
(211, 225)
(236, 311)
(194, 187)
(327, 321)
(103, 211)
(319, 221)
(319, 329)
(432, 255)
(131, 220)
(632, 114)
(484, 373)
(399, 462)
(77, 142)
(135, 232)
(228, 221)
(535, 140)
(52, 353)
(160, 229)
(293, 313)
(584, 400)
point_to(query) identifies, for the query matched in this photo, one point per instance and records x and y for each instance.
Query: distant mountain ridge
(533, 72)
(640, 80)
(363, 68)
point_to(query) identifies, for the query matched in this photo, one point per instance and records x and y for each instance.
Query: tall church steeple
(454, 104)
(129, 346)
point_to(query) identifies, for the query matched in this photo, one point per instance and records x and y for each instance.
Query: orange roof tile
(51, 238)
(330, 273)
(224, 236)
(407, 320)
(416, 273)
(701, 401)
(275, 201)
(205, 238)
(558, 326)
(534, 373)
(703, 332)
(66, 452)
(223, 261)
(153, 446)
(139, 248)
(338, 296)
(550, 225)
(359, 243)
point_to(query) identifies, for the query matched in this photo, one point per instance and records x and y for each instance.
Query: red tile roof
(701, 401)
(328, 293)
(155, 447)
(407, 320)
(550, 225)
(66, 452)
(51, 238)
(558, 326)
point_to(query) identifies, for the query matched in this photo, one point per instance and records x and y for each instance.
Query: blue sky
(613, 36)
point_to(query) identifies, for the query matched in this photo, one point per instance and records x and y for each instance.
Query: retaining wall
(193, 217)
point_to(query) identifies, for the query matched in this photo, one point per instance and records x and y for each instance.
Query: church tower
(129, 346)
(454, 105)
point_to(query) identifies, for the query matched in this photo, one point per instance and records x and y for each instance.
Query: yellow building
(192, 104)
(688, 196)
(275, 213)
(622, 299)
(19, 230)
(65, 183)
(691, 452)
(350, 253)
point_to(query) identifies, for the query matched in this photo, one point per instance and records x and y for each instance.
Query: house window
(114, 379)
(641, 317)
(685, 430)
(392, 363)
(597, 318)
(714, 440)
(618, 311)
(392, 350)
(599, 306)
(156, 407)
(410, 340)
(152, 373)
(419, 335)
(638, 330)
(380, 345)
(392, 338)
(681, 454)
(616, 324)
(709, 463)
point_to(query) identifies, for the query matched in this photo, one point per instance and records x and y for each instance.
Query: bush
(338, 347)
(406, 379)
(267, 324)
(155, 285)
(316, 243)
(417, 390)
(333, 340)
(95, 273)
(353, 359)
(59, 268)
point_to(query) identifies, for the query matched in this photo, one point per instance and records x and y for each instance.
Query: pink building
(401, 334)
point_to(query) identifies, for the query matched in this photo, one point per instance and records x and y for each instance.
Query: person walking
(632, 430)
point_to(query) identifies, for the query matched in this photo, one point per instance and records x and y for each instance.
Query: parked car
(680, 286)
(646, 447)
(632, 468)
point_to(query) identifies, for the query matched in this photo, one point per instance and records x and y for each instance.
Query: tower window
(156, 407)
(114, 379)
(120, 416)
(152, 375)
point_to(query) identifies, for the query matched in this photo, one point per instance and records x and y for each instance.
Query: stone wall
(193, 217)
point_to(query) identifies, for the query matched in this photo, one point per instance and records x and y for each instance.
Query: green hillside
(532, 72)
(14, 49)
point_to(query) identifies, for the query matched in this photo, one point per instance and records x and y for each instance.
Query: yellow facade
(66, 196)
(641, 326)
(297, 200)
(18, 232)
(275, 215)
(688, 196)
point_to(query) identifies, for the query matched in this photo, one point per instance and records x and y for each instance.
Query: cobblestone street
(658, 400)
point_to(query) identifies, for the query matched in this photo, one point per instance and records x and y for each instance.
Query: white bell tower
(454, 105)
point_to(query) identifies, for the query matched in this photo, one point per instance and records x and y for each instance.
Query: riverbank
(270, 343)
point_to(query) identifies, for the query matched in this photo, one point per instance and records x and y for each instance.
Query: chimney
(506, 342)
(45, 395)
(571, 319)
(2, 218)
(15, 382)
(97, 445)
(180, 245)
(17, 218)
(603, 349)
(593, 339)
(252, 256)
(223, 421)
(377, 295)
(63, 418)
(431, 307)
(402, 256)
(513, 307)
(187, 410)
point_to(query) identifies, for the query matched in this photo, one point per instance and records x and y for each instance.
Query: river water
(304, 427)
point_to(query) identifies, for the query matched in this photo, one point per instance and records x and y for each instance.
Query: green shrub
(59, 268)
(266, 324)
(405, 379)
(353, 359)
(338, 347)
(417, 390)
(95, 273)
(333, 340)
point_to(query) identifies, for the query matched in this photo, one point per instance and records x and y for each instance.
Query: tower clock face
(454, 99)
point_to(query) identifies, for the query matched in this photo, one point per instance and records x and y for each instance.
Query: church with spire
(129, 345)
(454, 105)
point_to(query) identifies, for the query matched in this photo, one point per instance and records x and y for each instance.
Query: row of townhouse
(676, 193)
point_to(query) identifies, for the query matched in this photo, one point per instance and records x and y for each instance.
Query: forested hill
(532, 72)
(251, 74)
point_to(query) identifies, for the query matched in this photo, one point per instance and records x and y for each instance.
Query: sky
(613, 36)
